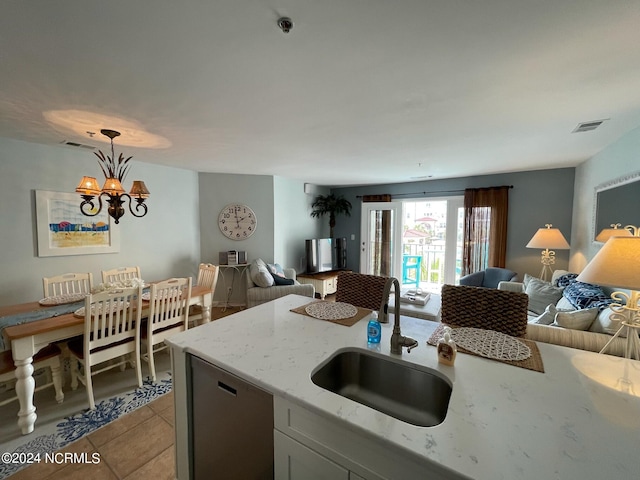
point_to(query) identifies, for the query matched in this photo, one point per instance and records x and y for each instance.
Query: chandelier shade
(88, 186)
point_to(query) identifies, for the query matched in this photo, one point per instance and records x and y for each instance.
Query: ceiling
(358, 92)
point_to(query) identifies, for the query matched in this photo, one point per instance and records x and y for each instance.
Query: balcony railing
(431, 273)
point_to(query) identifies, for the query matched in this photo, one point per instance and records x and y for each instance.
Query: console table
(241, 268)
(325, 283)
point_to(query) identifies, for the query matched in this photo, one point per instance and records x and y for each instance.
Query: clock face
(237, 221)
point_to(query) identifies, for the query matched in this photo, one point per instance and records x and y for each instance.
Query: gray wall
(282, 210)
(164, 243)
(617, 160)
(537, 197)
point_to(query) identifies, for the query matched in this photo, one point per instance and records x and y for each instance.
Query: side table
(325, 283)
(241, 268)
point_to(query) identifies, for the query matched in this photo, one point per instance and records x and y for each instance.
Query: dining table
(28, 338)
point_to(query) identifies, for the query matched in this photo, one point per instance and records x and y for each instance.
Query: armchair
(489, 278)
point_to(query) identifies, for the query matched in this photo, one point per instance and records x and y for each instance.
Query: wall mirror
(617, 201)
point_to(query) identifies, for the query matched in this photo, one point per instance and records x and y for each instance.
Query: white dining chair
(67, 284)
(48, 357)
(120, 274)
(168, 315)
(207, 277)
(111, 331)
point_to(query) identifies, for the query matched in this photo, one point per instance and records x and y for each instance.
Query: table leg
(25, 386)
(206, 313)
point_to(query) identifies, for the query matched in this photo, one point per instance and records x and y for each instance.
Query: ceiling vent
(588, 126)
(69, 143)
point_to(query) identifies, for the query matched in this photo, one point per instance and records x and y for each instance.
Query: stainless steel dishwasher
(231, 423)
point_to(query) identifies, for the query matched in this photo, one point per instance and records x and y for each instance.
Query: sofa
(266, 282)
(569, 313)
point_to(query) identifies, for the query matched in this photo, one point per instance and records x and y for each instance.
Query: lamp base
(546, 273)
(632, 347)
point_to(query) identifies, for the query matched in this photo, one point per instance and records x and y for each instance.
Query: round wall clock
(237, 221)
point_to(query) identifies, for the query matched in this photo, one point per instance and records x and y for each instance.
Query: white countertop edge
(542, 423)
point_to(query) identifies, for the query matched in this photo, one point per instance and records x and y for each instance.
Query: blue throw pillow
(566, 279)
(277, 272)
(585, 295)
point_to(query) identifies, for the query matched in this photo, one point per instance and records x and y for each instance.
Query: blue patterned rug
(74, 427)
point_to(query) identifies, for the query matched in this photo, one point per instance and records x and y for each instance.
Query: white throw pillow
(576, 319)
(605, 324)
(541, 294)
(557, 274)
(260, 274)
(565, 304)
(547, 317)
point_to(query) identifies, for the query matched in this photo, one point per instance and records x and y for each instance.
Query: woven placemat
(347, 322)
(534, 362)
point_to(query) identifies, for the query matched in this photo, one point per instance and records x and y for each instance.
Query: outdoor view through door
(417, 241)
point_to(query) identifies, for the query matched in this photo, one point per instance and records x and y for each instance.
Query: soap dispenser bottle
(447, 348)
(374, 330)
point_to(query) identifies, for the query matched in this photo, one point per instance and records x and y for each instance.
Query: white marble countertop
(578, 420)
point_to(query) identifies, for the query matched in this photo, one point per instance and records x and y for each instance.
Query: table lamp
(616, 231)
(548, 238)
(617, 265)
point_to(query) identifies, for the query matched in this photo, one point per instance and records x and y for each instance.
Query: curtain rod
(434, 191)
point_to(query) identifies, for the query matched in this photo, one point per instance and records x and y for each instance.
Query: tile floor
(136, 446)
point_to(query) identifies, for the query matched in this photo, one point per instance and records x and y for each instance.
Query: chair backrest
(208, 275)
(494, 275)
(111, 320)
(361, 290)
(120, 274)
(67, 284)
(488, 308)
(169, 306)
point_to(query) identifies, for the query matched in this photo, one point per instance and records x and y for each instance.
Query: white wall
(293, 222)
(164, 243)
(618, 159)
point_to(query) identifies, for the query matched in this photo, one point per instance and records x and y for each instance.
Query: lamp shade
(617, 264)
(607, 233)
(548, 238)
(112, 186)
(88, 186)
(139, 189)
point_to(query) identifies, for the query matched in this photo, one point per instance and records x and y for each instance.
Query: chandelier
(115, 170)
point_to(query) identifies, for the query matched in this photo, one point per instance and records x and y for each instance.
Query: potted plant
(332, 205)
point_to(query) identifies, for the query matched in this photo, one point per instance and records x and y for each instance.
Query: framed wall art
(63, 230)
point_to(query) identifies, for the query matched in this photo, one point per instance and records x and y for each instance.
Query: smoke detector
(285, 24)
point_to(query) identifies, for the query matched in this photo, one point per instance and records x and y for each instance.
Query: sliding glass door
(417, 241)
(380, 250)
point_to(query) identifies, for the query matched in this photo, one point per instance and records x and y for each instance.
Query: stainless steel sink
(411, 393)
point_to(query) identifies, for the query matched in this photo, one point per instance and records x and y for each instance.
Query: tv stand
(325, 283)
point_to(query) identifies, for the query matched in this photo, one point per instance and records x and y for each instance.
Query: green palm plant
(331, 205)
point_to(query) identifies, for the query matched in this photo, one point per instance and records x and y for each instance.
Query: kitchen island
(580, 419)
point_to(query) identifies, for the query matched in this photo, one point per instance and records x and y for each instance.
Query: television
(325, 254)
